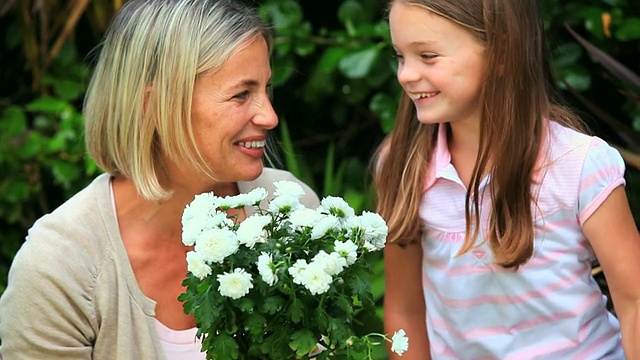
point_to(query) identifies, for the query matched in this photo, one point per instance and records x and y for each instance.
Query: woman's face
(232, 112)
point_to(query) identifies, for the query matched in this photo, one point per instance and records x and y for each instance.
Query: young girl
(496, 204)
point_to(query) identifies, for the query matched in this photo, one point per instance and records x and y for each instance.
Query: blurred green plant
(42, 159)
(334, 79)
(624, 133)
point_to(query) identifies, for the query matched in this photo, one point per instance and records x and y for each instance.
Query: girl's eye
(428, 56)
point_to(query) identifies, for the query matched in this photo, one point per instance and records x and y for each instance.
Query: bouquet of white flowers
(286, 282)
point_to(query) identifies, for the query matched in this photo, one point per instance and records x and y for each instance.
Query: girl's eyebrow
(418, 43)
(422, 42)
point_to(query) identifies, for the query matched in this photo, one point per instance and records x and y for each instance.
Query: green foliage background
(335, 92)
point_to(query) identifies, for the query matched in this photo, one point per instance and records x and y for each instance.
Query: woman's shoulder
(75, 230)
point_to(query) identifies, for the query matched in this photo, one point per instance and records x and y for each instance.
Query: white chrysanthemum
(288, 188)
(236, 284)
(199, 215)
(304, 217)
(375, 229)
(315, 279)
(332, 263)
(201, 205)
(297, 269)
(284, 204)
(369, 247)
(251, 230)
(192, 227)
(399, 342)
(255, 196)
(216, 244)
(322, 227)
(232, 201)
(265, 264)
(347, 249)
(218, 219)
(197, 265)
(337, 207)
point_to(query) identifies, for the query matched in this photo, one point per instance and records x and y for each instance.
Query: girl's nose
(407, 73)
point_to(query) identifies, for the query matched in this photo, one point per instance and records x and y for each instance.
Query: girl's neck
(464, 145)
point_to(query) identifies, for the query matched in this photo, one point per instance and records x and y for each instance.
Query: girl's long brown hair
(518, 96)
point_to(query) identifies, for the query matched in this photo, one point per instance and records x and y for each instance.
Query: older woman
(178, 105)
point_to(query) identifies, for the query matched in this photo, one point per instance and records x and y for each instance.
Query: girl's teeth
(426, 95)
(252, 144)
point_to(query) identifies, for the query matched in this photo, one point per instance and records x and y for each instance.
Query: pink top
(551, 308)
(179, 344)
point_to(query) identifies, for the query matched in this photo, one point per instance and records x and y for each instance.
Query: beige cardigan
(71, 291)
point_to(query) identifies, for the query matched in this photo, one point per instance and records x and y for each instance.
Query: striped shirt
(551, 308)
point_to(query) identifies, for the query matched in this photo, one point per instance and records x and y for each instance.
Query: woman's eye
(428, 56)
(242, 96)
(270, 91)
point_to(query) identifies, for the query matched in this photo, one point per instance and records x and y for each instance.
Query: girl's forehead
(415, 25)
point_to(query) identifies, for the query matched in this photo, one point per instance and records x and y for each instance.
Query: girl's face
(232, 112)
(440, 64)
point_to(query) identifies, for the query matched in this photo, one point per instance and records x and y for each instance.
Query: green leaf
(345, 305)
(291, 160)
(351, 13)
(321, 318)
(339, 330)
(246, 305)
(256, 323)
(13, 122)
(32, 145)
(282, 71)
(285, 14)
(384, 106)
(15, 191)
(64, 171)
(567, 55)
(272, 304)
(303, 342)
(330, 59)
(225, 347)
(50, 106)
(629, 30)
(358, 64)
(577, 77)
(296, 310)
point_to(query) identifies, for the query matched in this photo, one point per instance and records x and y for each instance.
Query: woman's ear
(147, 93)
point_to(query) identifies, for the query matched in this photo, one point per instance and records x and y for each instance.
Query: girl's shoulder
(576, 162)
(565, 144)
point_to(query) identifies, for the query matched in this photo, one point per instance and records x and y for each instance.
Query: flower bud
(349, 342)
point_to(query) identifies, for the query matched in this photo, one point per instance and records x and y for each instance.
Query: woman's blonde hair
(138, 103)
(518, 93)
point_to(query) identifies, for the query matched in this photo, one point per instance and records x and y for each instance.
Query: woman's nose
(266, 116)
